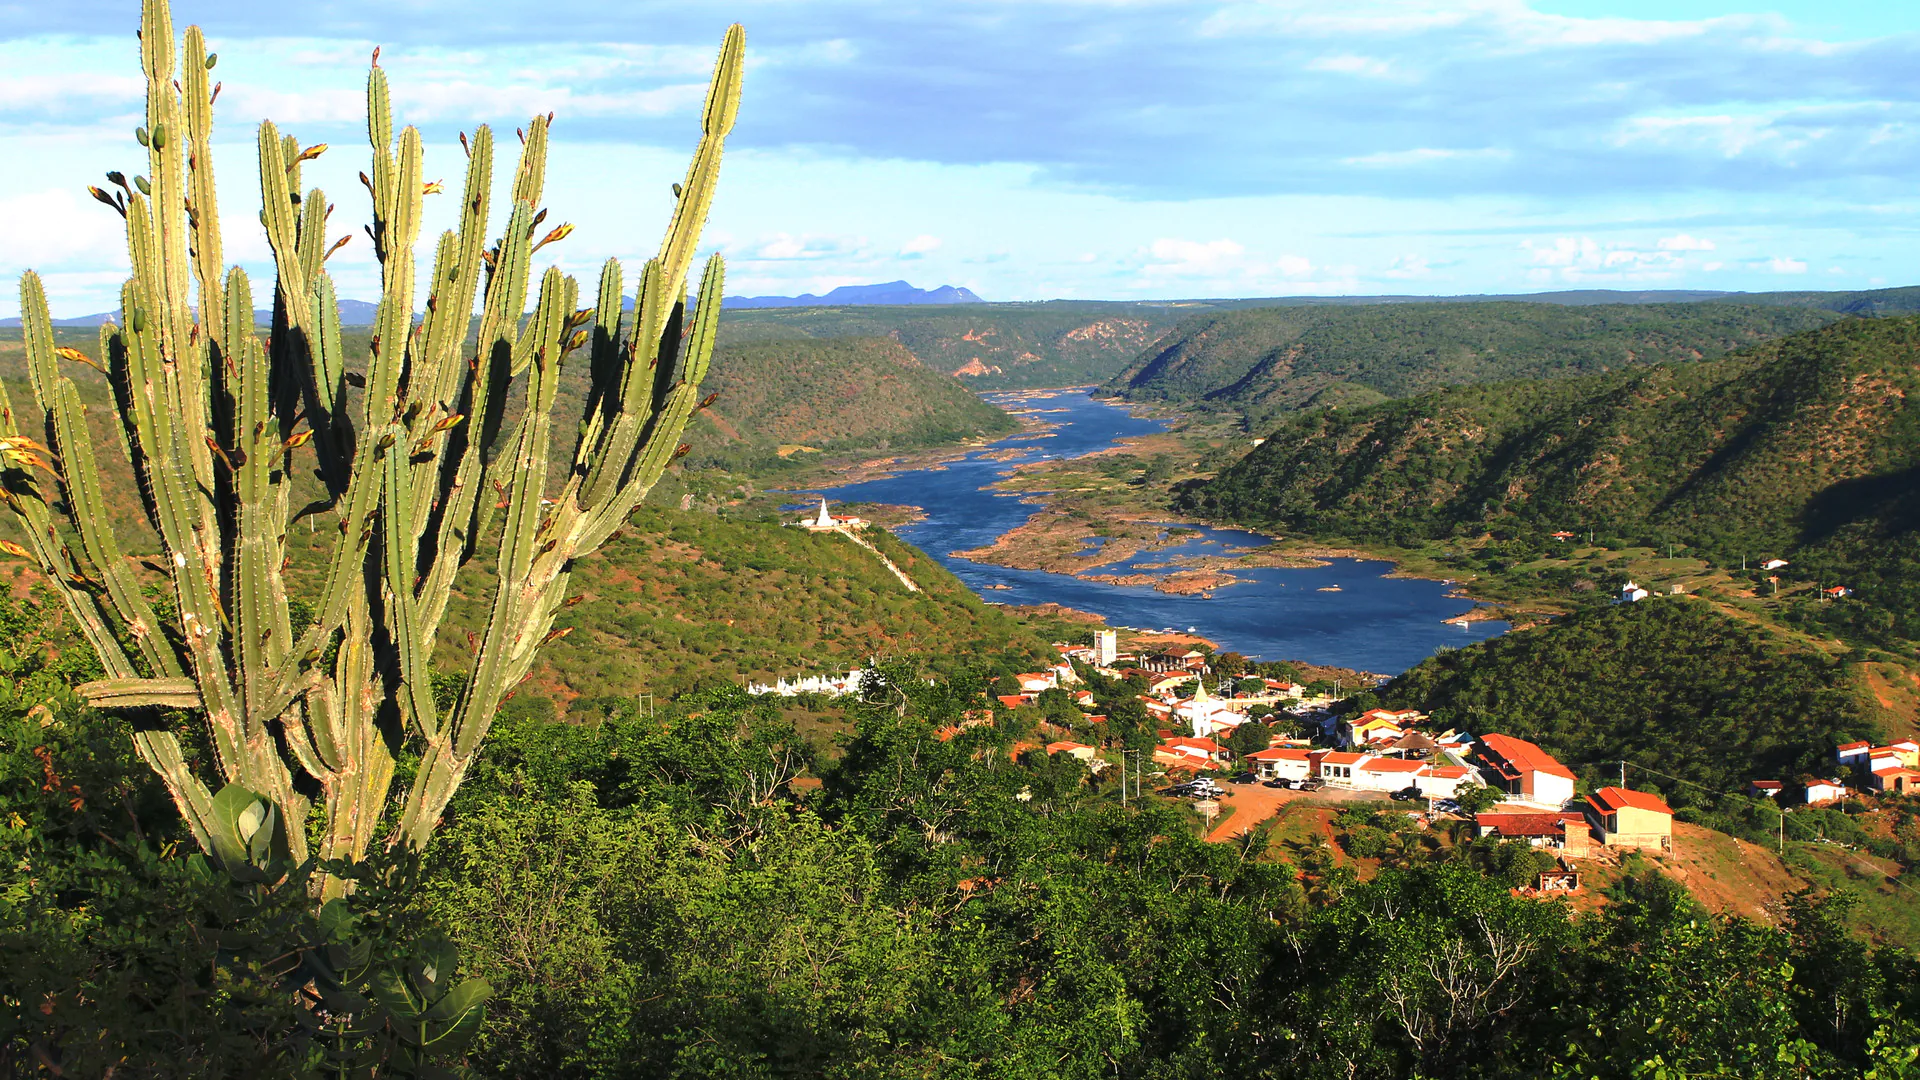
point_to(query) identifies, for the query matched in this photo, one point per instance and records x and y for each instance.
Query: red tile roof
(1063, 745)
(1522, 825)
(1449, 772)
(1208, 745)
(1012, 701)
(1852, 746)
(1393, 765)
(1523, 756)
(1338, 757)
(1612, 799)
(1278, 753)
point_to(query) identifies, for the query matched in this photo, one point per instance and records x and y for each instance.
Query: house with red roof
(1282, 763)
(1765, 789)
(1622, 817)
(1853, 753)
(1445, 781)
(1387, 774)
(1072, 749)
(1193, 753)
(1559, 831)
(1825, 791)
(1525, 772)
(1032, 682)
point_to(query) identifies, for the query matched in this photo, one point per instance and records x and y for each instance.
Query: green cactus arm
(161, 751)
(24, 496)
(80, 478)
(313, 233)
(703, 173)
(283, 232)
(261, 628)
(606, 360)
(178, 693)
(397, 223)
(203, 217)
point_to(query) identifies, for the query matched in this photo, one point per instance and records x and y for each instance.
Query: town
(1252, 744)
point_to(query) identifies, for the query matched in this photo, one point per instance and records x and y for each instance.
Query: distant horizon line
(262, 315)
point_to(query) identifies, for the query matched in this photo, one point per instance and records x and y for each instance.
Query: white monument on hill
(825, 522)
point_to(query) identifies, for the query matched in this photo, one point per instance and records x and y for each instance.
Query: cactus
(421, 468)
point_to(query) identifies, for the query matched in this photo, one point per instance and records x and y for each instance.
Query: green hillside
(1670, 684)
(1266, 362)
(687, 598)
(832, 394)
(991, 346)
(1807, 447)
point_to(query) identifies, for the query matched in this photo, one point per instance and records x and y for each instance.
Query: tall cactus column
(418, 470)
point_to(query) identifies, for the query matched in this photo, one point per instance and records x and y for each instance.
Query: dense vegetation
(1806, 447)
(649, 897)
(992, 346)
(686, 599)
(1693, 700)
(831, 394)
(1268, 362)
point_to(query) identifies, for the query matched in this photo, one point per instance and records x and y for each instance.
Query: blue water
(1373, 623)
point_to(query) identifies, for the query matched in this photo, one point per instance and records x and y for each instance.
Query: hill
(831, 394)
(892, 292)
(684, 599)
(1672, 684)
(1270, 361)
(1804, 447)
(990, 346)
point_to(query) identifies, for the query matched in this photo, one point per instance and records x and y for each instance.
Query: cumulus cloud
(1193, 258)
(1576, 259)
(919, 246)
(1782, 265)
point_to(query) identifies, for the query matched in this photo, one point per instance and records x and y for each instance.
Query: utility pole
(1623, 774)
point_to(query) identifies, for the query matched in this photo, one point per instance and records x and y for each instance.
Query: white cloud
(1406, 267)
(1368, 66)
(1782, 265)
(919, 245)
(1584, 259)
(1293, 266)
(1193, 258)
(1425, 155)
(1683, 242)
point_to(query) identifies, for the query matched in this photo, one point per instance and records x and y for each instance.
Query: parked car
(1205, 789)
(1277, 782)
(1176, 790)
(1312, 785)
(1406, 794)
(1447, 806)
(1243, 778)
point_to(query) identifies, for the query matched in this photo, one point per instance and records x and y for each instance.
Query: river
(1372, 622)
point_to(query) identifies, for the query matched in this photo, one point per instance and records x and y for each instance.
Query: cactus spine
(420, 474)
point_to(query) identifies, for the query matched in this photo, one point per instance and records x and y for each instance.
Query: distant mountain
(892, 292)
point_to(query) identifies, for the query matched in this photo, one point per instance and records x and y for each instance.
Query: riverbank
(1007, 520)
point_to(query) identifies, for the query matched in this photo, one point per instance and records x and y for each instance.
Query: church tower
(825, 520)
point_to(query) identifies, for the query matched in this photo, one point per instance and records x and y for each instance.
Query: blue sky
(1031, 149)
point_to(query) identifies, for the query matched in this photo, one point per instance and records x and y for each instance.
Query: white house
(1631, 593)
(1445, 781)
(1387, 774)
(1526, 772)
(1825, 791)
(1032, 682)
(1853, 754)
(1281, 763)
(1774, 564)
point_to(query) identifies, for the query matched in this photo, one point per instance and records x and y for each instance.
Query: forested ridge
(1703, 701)
(831, 394)
(1267, 362)
(1802, 448)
